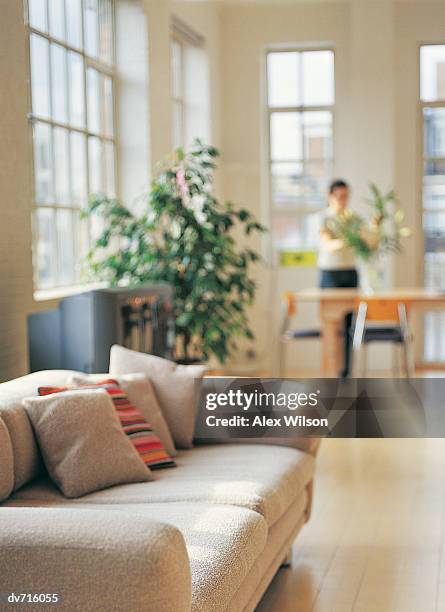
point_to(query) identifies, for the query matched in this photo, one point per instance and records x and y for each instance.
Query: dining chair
(286, 334)
(381, 320)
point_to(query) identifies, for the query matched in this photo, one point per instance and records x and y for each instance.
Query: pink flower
(181, 183)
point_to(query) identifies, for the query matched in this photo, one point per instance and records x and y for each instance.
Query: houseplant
(372, 238)
(185, 238)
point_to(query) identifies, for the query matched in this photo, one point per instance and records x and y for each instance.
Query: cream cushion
(82, 442)
(140, 392)
(265, 479)
(305, 444)
(279, 539)
(6, 463)
(231, 566)
(27, 460)
(223, 544)
(97, 561)
(175, 387)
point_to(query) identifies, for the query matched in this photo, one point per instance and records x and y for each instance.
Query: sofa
(208, 535)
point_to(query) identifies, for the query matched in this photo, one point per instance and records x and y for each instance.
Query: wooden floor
(376, 540)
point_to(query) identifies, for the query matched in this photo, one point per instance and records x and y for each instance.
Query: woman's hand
(331, 244)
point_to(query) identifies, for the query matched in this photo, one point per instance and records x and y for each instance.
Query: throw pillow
(138, 430)
(82, 442)
(141, 393)
(175, 386)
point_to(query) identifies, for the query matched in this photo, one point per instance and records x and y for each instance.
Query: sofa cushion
(27, 461)
(279, 539)
(82, 442)
(175, 387)
(266, 479)
(6, 463)
(223, 543)
(96, 561)
(140, 433)
(141, 393)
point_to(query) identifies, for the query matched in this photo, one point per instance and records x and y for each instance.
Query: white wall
(15, 193)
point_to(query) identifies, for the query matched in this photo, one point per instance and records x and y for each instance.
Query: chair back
(381, 310)
(290, 301)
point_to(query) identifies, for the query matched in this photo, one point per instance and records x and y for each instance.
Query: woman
(336, 260)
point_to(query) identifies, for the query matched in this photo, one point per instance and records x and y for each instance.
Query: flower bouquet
(379, 235)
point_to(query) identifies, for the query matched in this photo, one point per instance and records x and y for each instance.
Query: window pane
(82, 229)
(43, 163)
(318, 78)
(78, 169)
(76, 76)
(57, 19)
(91, 21)
(74, 22)
(108, 106)
(432, 73)
(39, 48)
(177, 70)
(296, 185)
(434, 130)
(286, 231)
(317, 132)
(95, 165)
(434, 233)
(45, 247)
(311, 229)
(109, 166)
(97, 226)
(106, 30)
(61, 166)
(177, 125)
(37, 15)
(315, 182)
(285, 136)
(65, 251)
(59, 84)
(282, 72)
(286, 179)
(434, 185)
(94, 111)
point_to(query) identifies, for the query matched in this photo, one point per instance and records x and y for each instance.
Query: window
(190, 87)
(300, 90)
(71, 64)
(432, 102)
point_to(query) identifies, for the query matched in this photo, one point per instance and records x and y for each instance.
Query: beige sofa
(208, 535)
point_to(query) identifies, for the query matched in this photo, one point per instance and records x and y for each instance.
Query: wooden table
(335, 303)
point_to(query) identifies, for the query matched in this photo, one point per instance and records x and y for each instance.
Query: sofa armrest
(94, 559)
(305, 444)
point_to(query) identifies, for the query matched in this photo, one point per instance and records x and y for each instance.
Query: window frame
(186, 38)
(178, 140)
(59, 289)
(300, 212)
(431, 319)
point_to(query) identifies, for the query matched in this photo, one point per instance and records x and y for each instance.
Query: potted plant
(185, 238)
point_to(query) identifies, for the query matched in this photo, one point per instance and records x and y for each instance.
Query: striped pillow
(140, 432)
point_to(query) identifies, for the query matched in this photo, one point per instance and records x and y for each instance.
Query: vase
(372, 276)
